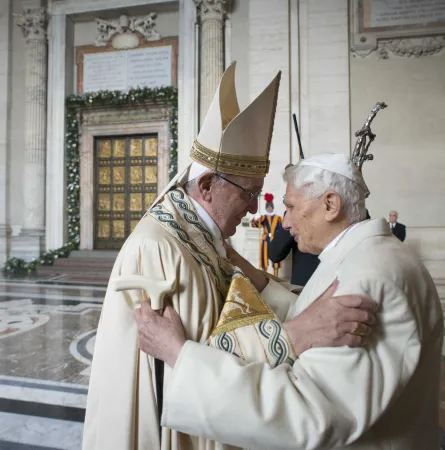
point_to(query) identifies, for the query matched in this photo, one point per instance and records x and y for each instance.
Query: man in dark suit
(398, 229)
(303, 264)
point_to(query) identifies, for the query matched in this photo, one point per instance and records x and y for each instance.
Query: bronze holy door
(125, 186)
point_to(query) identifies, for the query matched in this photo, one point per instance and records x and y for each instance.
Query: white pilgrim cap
(336, 163)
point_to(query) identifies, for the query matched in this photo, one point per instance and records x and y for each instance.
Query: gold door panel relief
(136, 202)
(105, 149)
(126, 174)
(118, 229)
(151, 174)
(151, 147)
(104, 202)
(103, 229)
(119, 175)
(119, 148)
(149, 199)
(136, 175)
(136, 147)
(104, 175)
(119, 202)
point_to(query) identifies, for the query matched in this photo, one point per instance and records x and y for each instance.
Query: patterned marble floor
(47, 333)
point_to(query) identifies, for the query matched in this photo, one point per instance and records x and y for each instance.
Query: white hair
(191, 185)
(395, 212)
(313, 182)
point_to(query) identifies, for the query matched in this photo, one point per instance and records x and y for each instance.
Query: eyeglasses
(252, 195)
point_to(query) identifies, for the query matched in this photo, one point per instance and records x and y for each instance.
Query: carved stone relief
(410, 48)
(33, 23)
(213, 9)
(397, 30)
(122, 32)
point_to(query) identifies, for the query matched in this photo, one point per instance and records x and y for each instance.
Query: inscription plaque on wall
(122, 70)
(378, 15)
(151, 65)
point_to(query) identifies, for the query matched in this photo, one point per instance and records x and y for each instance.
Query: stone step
(77, 279)
(82, 266)
(88, 264)
(94, 254)
(84, 262)
(48, 270)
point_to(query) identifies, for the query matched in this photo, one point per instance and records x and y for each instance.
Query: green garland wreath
(16, 266)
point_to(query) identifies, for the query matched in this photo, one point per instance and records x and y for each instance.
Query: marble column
(60, 64)
(5, 49)
(33, 23)
(212, 14)
(187, 82)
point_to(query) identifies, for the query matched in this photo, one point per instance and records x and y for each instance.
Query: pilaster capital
(213, 9)
(33, 23)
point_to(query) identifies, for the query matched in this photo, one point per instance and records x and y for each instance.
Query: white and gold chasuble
(171, 241)
(249, 329)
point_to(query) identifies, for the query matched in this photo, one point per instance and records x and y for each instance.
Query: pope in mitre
(178, 248)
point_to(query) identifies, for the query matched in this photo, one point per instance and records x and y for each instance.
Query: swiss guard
(271, 223)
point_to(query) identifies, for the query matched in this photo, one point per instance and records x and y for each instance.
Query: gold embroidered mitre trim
(248, 166)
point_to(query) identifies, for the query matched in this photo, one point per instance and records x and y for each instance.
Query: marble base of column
(29, 244)
(5, 243)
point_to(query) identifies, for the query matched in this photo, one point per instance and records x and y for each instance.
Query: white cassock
(384, 396)
(171, 242)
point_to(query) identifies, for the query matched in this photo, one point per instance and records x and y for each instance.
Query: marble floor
(47, 333)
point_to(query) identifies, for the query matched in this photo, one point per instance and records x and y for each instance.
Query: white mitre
(231, 141)
(336, 163)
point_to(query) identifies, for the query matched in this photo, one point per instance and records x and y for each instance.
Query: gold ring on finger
(360, 330)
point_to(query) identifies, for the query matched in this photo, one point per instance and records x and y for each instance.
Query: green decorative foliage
(74, 103)
(18, 266)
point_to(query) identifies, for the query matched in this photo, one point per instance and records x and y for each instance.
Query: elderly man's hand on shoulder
(333, 322)
(328, 322)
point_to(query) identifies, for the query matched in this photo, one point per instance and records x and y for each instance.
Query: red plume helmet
(268, 198)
